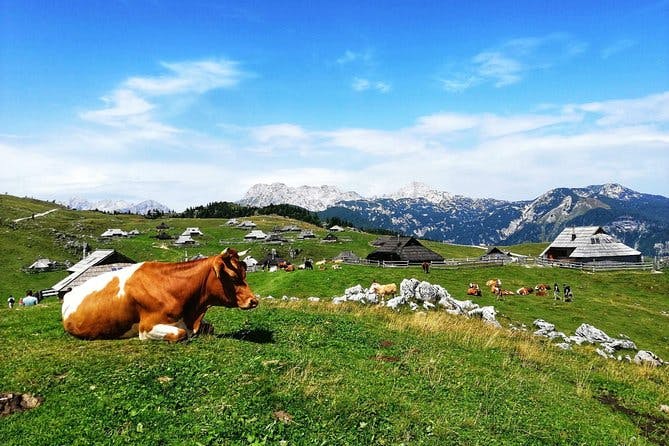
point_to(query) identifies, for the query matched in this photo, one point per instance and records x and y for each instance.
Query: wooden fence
(532, 261)
(596, 266)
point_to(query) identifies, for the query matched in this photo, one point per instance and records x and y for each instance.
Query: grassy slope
(347, 375)
(344, 374)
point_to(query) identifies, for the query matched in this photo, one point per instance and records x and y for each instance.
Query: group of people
(28, 301)
(567, 295)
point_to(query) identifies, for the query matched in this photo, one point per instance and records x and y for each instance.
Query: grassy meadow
(314, 373)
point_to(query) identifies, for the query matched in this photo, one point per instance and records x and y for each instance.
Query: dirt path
(36, 215)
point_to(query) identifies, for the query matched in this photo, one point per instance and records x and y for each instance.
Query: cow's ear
(218, 265)
(229, 253)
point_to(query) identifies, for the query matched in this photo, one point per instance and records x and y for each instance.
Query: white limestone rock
(408, 288)
(648, 358)
(488, 314)
(592, 334)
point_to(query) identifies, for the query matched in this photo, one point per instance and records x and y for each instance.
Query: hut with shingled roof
(587, 244)
(395, 248)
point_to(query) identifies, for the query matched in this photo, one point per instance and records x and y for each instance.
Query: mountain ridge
(637, 219)
(122, 206)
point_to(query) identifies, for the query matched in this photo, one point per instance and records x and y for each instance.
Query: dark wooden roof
(393, 248)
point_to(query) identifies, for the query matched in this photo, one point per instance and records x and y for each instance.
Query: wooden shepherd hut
(395, 248)
(96, 263)
(587, 244)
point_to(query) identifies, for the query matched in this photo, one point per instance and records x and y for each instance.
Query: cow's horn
(225, 251)
(243, 253)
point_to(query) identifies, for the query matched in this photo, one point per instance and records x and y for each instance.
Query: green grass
(341, 374)
(304, 373)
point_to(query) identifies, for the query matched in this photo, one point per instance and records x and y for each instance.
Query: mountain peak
(141, 208)
(313, 198)
(416, 190)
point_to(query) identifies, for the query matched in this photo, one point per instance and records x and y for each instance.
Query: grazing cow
(289, 268)
(426, 267)
(308, 264)
(156, 300)
(524, 291)
(383, 290)
(474, 290)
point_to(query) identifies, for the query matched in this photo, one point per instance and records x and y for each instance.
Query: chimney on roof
(573, 234)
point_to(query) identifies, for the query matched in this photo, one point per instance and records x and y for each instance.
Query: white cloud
(616, 47)
(510, 62)
(362, 84)
(290, 132)
(186, 77)
(501, 69)
(649, 109)
(512, 156)
(355, 56)
(135, 119)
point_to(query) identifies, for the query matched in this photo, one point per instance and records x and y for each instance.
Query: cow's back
(100, 309)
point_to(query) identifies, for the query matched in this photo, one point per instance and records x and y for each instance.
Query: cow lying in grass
(156, 300)
(474, 290)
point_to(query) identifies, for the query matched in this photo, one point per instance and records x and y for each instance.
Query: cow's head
(231, 275)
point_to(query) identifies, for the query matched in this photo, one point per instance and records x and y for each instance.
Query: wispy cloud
(652, 109)
(132, 109)
(362, 84)
(355, 56)
(189, 77)
(617, 47)
(130, 116)
(510, 62)
(583, 143)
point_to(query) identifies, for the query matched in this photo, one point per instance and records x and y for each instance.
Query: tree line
(224, 209)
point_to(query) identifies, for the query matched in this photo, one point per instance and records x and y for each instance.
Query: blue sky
(192, 102)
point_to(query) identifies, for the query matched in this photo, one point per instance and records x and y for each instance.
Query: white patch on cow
(160, 331)
(73, 299)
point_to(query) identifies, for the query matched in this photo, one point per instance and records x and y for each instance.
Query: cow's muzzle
(250, 304)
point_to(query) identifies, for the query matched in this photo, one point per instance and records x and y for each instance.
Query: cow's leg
(172, 332)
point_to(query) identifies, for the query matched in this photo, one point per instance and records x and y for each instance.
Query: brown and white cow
(525, 291)
(156, 300)
(542, 289)
(474, 289)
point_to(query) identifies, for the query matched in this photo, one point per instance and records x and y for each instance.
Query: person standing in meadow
(29, 300)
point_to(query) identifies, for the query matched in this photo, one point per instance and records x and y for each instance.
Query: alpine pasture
(296, 372)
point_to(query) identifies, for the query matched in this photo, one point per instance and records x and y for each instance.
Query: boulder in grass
(487, 314)
(648, 358)
(408, 288)
(592, 334)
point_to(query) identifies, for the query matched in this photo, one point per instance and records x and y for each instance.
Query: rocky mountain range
(638, 220)
(115, 206)
(313, 198)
